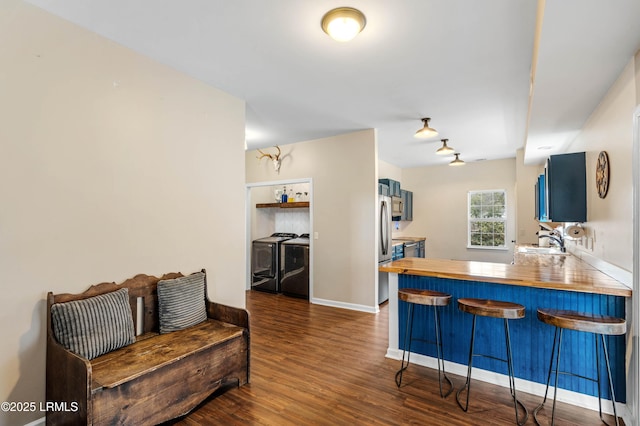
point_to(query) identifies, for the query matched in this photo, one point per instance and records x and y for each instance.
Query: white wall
(110, 166)
(343, 170)
(440, 206)
(609, 128)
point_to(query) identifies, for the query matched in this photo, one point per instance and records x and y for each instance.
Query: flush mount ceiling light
(426, 132)
(457, 161)
(343, 23)
(444, 149)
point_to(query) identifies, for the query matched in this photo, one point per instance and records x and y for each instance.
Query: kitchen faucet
(557, 237)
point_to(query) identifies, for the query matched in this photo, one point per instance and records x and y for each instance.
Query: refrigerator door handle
(384, 232)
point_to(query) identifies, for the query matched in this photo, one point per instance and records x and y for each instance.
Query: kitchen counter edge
(585, 280)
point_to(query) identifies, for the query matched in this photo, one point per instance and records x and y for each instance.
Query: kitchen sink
(541, 250)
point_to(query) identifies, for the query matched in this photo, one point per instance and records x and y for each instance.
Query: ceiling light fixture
(343, 23)
(445, 149)
(426, 132)
(457, 161)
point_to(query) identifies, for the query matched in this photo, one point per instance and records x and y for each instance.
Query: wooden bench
(155, 379)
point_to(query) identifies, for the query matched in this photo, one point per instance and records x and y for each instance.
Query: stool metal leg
(555, 352)
(595, 340)
(546, 391)
(467, 384)
(408, 334)
(440, 354)
(555, 391)
(613, 396)
(512, 378)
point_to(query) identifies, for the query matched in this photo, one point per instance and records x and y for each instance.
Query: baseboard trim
(533, 388)
(343, 305)
(37, 422)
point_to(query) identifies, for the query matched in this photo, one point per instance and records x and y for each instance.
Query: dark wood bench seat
(147, 354)
(157, 378)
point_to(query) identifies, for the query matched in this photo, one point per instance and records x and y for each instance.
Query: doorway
(267, 214)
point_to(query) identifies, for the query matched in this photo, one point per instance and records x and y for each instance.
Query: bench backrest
(143, 290)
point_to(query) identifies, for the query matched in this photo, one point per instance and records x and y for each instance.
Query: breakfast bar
(569, 284)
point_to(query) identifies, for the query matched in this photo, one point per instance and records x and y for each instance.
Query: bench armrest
(68, 380)
(228, 314)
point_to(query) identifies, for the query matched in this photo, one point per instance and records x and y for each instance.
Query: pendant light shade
(343, 23)
(426, 132)
(457, 161)
(445, 149)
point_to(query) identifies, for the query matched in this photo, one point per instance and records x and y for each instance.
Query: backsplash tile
(293, 220)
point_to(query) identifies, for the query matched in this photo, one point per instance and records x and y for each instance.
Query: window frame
(503, 219)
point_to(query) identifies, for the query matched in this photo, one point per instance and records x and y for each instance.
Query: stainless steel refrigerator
(384, 245)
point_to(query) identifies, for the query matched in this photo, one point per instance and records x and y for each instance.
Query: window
(487, 219)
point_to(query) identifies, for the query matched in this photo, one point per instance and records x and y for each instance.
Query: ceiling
(466, 64)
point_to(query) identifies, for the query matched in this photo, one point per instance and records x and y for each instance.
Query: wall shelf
(297, 204)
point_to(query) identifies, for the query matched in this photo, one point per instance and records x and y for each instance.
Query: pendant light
(444, 149)
(457, 161)
(426, 132)
(343, 23)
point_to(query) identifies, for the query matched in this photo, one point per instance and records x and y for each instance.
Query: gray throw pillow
(181, 302)
(95, 325)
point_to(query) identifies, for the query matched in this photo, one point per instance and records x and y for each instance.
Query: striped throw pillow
(95, 325)
(181, 302)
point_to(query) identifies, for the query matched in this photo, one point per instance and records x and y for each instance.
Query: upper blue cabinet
(402, 199)
(394, 186)
(561, 192)
(541, 205)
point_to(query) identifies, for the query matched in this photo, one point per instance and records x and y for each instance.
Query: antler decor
(275, 158)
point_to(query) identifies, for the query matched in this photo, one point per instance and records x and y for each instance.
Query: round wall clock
(602, 174)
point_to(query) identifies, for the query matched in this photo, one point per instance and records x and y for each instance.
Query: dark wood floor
(316, 365)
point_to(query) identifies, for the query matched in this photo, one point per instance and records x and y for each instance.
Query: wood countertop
(408, 239)
(578, 276)
(396, 241)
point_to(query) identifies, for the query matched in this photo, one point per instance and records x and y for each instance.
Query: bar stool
(413, 297)
(599, 325)
(495, 309)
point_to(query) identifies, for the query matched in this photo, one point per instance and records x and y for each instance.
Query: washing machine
(265, 262)
(295, 267)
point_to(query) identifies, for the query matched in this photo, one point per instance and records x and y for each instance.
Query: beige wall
(440, 206)
(389, 171)
(526, 177)
(609, 220)
(343, 170)
(111, 165)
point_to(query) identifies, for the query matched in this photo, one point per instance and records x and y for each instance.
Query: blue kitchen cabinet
(398, 252)
(407, 205)
(562, 190)
(383, 189)
(566, 188)
(540, 201)
(394, 187)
